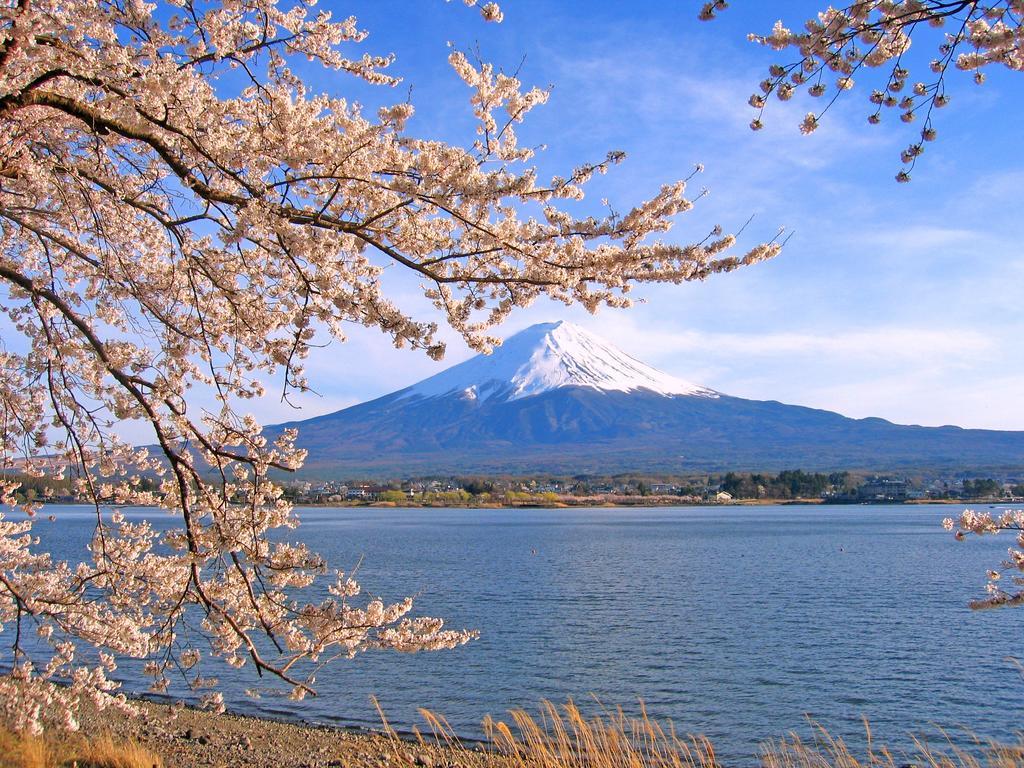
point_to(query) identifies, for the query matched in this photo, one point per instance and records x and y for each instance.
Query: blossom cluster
(840, 46)
(983, 523)
(178, 212)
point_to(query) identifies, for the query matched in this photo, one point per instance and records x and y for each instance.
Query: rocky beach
(190, 738)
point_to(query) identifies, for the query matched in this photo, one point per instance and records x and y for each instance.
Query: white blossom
(877, 34)
(162, 232)
(981, 524)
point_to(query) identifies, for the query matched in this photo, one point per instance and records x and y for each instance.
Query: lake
(736, 622)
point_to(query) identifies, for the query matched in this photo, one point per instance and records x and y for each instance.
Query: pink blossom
(161, 235)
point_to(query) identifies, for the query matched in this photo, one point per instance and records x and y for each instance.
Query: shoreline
(657, 502)
(187, 737)
(612, 504)
(164, 735)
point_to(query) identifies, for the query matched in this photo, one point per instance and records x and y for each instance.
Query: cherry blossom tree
(178, 212)
(981, 524)
(842, 46)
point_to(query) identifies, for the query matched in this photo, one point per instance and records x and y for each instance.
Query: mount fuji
(547, 357)
(557, 399)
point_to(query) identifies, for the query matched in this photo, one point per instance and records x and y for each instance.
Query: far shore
(656, 501)
(620, 502)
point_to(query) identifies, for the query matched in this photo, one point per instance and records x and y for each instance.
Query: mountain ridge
(558, 399)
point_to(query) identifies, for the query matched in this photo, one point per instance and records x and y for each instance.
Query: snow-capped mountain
(557, 399)
(551, 356)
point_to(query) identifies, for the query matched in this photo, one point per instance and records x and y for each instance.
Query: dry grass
(827, 751)
(26, 751)
(104, 752)
(563, 737)
(17, 751)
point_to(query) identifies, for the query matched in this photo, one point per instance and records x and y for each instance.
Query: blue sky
(899, 301)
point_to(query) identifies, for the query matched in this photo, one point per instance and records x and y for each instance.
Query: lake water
(736, 622)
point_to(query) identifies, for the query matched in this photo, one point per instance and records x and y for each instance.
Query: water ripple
(734, 622)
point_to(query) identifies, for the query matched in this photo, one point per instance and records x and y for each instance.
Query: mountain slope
(558, 399)
(550, 356)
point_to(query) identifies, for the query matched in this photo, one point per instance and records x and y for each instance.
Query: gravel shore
(189, 738)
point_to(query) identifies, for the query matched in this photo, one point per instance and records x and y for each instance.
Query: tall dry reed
(24, 751)
(826, 751)
(563, 737)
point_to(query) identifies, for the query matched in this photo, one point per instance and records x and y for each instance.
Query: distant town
(732, 487)
(788, 486)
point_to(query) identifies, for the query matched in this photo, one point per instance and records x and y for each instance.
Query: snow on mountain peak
(551, 356)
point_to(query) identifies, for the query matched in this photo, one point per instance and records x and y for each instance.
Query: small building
(883, 489)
